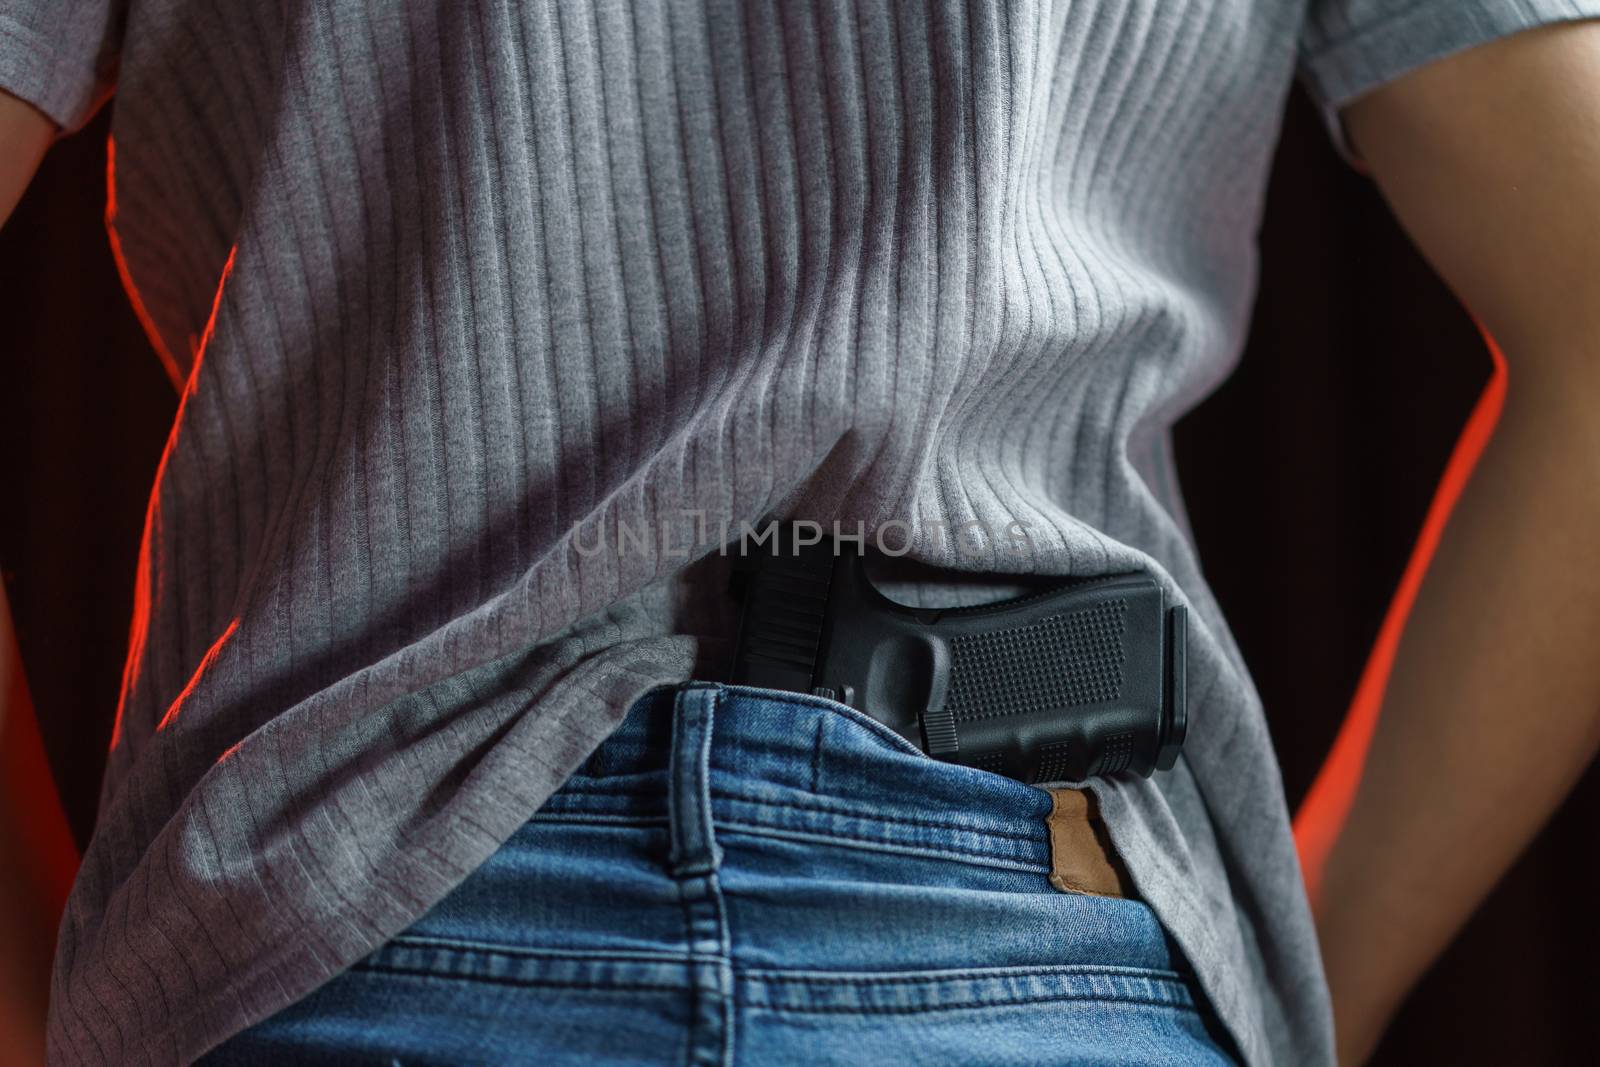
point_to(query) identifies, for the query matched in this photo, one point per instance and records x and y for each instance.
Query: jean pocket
(1114, 1017)
(432, 1005)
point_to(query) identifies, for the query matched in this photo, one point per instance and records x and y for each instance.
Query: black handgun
(1081, 680)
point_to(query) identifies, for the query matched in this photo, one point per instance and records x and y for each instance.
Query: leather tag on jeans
(1081, 857)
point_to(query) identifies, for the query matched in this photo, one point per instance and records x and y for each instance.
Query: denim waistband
(811, 767)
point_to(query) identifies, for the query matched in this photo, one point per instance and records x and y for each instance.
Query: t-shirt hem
(312, 952)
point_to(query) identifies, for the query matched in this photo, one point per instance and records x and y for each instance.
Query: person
(488, 317)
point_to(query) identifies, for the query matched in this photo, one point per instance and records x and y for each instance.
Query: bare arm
(27, 905)
(24, 136)
(1491, 159)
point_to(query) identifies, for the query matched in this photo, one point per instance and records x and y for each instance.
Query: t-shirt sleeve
(1350, 47)
(60, 55)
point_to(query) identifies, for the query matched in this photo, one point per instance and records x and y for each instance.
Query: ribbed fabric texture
(455, 289)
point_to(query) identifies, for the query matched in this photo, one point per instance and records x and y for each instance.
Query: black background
(1306, 478)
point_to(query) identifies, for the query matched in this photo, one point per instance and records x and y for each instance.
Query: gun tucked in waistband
(1081, 680)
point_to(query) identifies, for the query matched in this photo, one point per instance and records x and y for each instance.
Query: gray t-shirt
(455, 290)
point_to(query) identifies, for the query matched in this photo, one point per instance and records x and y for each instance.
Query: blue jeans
(739, 876)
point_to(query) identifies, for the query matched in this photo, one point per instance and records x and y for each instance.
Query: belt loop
(694, 847)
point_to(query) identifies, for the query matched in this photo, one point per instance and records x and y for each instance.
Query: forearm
(24, 136)
(1491, 160)
(1492, 709)
(32, 834)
